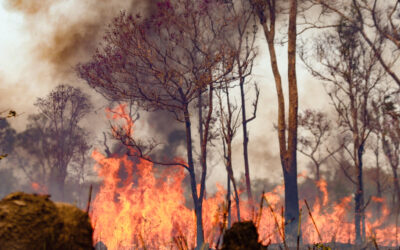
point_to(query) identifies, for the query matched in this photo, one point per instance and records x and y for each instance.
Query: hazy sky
(41, 41)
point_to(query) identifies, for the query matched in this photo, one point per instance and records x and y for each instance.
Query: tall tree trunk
(197, 202)
(245, 143)
(57, 183)
(200, 114)
(287, 149)
(359, 196)
(230, 173)
(396, 184)
(200, 117)
(291, 192)
(378, 183)
(199, 224)
(228, 133)
(228, 199)
(204, 142)
(291, 207)
(204, 132)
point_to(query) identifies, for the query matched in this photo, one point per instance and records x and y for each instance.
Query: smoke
(29, 7)
(55, 35)
(64, 33)
(173, 135)
(43, 42)
(47, 39)
(67, 32)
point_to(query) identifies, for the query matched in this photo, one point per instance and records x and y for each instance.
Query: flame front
(146, 213)
(146, 209)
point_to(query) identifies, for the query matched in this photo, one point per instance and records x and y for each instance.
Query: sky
(42, 41)
(13, 58)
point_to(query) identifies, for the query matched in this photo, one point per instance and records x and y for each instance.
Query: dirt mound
(28, 220)
(31, 221)
(241, 236)
(77, 231)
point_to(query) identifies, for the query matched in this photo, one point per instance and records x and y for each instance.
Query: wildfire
(41, 189)
(146, 209)
(142, 213)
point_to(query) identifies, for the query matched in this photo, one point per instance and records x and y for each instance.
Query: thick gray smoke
(52, 36)
(66, 32)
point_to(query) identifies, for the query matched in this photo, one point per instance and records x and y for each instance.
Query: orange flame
(146, 209)
(38, 188)
(148, 212)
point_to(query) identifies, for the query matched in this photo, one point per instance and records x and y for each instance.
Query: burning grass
(141, 211)
(145, 211)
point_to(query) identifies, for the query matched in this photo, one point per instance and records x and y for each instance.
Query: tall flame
(148, 212)
(147, 209)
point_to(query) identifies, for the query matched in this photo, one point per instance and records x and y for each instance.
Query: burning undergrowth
(146, 209)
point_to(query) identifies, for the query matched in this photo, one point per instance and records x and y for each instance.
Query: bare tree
(54, 136)
(244, 41)
(377, 20)
(79, 165)
(378, 176)
(387, 127)
(267, 11)
(353, 75)
(166, 62)
(391, 144)
(316, 130)
(33, 149)
(229, 115)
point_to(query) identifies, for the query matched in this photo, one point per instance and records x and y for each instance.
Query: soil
(77, 231)
(241, 236)
(32, 221)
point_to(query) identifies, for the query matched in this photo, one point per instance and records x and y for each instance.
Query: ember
(41, 189)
